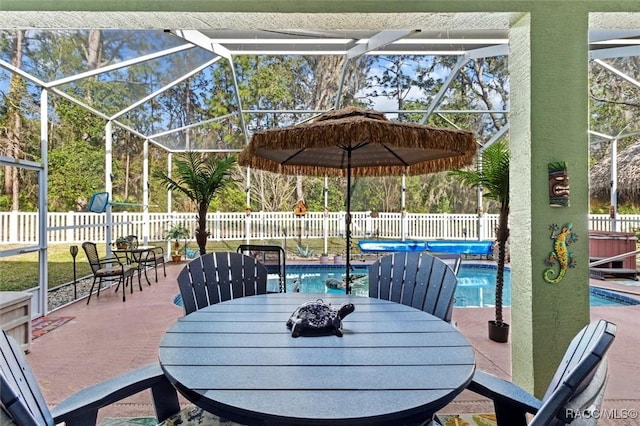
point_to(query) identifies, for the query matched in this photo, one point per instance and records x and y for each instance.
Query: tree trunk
(502, 237)
(93, 54)
(127, 167)
(299, 190)
(14, 132)
(201, 232)
(94, 49)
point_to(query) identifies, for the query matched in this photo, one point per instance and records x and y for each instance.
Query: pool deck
(109, 337)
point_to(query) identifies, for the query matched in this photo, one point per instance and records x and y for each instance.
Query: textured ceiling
(304, 27)
(204, 20)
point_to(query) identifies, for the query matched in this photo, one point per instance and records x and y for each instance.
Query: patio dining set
(126, 259)
(397, 358)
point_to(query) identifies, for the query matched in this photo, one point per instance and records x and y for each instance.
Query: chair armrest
(156, 254)
(81, 408)
(113, 259)
(13, 406)
(511, 401)
(153, 256)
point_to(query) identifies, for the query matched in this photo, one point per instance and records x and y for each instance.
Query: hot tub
(605, 244)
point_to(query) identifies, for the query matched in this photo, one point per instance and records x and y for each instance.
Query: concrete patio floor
(109, 337)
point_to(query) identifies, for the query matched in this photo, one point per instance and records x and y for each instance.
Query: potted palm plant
(176, 233)
(199, 177)
(492, 176)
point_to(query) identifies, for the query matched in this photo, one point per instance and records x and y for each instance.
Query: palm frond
(493, 174)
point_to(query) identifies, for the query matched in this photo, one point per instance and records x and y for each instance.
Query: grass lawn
(20, 272)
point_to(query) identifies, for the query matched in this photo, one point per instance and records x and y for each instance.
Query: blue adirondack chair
(574, 394)
(416, 279)
(216, 277)
(22, 399)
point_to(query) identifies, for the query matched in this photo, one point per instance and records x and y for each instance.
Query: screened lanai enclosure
(146, 94)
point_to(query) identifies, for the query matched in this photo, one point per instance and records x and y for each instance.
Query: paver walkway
(109, 337)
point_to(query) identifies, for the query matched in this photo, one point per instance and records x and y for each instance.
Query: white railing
(622, 223)
(75, 227)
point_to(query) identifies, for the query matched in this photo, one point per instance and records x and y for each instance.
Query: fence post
(70, 224)
(446, 225)
(404, 224)
(13, 227)
(247, 227)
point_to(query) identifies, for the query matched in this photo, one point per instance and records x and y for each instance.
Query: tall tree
(305, 82)
(614, 104)
(12, 131)
(396, 78)
(69, 166)
(411, 83)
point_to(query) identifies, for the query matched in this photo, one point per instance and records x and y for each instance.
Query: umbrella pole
(348, 224)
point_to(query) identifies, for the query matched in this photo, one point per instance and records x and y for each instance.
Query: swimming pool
(476, 285)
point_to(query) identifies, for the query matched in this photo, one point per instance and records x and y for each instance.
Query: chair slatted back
(132, 240)
(152, 257)
(91, 251)
(19, 392)
(415, 279)
(576, 373)
(220, 276)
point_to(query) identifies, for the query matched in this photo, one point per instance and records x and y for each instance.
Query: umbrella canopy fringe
(432, 166)
(351, 128)
(395, 134)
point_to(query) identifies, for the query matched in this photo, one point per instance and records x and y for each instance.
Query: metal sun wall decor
(558, 184)
(562, 238)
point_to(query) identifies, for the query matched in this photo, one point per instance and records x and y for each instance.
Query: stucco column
(549, 123)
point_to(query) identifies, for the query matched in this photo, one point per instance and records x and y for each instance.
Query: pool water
(313, 279)
(476, 285)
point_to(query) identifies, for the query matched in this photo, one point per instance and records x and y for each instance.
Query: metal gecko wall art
(562, 238)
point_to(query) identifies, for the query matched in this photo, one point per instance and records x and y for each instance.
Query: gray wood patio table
(394, 364)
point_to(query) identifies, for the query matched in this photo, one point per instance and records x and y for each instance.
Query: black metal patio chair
(148, 258)
(108, 269)
(453, 260)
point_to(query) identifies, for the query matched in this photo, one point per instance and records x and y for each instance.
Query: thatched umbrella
(358, 142)
(628, 182)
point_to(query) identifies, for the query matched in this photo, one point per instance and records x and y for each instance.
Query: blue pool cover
(368, 246)
(484, 248)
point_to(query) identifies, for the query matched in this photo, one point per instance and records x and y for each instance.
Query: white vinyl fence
(76, 227)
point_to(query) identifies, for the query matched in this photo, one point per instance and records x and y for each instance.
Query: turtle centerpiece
(318, 318)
